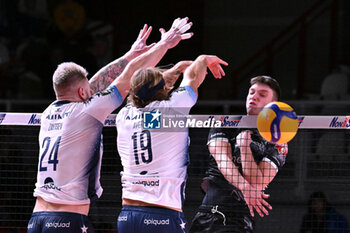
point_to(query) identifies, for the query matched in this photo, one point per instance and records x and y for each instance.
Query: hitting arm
(171, 75)
(195, 74)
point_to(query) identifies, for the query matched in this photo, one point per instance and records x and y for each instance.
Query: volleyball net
(318, 160)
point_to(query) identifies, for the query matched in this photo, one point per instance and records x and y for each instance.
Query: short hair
(150, 76)
(66, 74)
(271, 82)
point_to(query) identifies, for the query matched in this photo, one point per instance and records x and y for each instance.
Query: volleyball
(277, 123)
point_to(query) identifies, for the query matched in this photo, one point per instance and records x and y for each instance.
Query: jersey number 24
(53, 153)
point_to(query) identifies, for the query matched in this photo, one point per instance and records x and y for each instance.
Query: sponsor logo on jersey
(2, 117)
(49, 184)
(147, 183)
(335, 123)
(136, 117)
(57, 116)
(236, 160)
(57, 225)
(34, 120)
(227, 121)
(152, 119)
(282, 148)
(156, 222)
(122, 218)
(300, 120)
(30, 225)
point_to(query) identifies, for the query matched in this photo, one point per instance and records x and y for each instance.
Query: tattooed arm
(105, 76)
(169, 39)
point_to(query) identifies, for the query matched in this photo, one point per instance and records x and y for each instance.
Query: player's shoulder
(102, 94)
(223, 134)
(107, 91)
(232, 132)
(128, 110)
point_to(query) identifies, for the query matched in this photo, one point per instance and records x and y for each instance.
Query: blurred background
(304, 44)
(299, 42)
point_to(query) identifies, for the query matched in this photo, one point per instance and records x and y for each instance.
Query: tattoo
(107, 75)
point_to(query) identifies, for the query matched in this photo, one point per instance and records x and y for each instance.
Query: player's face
(258, 96)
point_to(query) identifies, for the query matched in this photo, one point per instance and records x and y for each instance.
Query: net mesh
(318, 160)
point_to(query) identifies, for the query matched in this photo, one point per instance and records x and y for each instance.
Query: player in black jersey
(241, 165)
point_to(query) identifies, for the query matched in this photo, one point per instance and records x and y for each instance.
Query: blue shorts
(136, 219)
(57, 222)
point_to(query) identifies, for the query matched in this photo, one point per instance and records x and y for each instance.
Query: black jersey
(262, 150)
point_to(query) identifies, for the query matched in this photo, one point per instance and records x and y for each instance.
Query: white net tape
(205, 121)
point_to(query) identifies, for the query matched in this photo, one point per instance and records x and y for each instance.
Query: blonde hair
(148, 76)
(67, 74)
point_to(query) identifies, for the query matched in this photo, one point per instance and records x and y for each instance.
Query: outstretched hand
(256, 200)
(177, 32)
(214, 64)
(140, 46)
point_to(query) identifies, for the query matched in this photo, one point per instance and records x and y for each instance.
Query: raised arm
(257, 175)
(254, 198)
(195, 74)
(106, 75)
(171, 75)
(151, 58)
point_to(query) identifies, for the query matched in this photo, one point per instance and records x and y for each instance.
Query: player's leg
(223, 210)
(207, 222)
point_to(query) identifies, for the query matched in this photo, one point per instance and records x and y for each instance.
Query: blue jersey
(71, 148)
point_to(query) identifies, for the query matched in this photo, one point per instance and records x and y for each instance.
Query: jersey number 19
(144, 136)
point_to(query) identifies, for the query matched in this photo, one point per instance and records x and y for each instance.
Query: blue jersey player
(70, 134)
